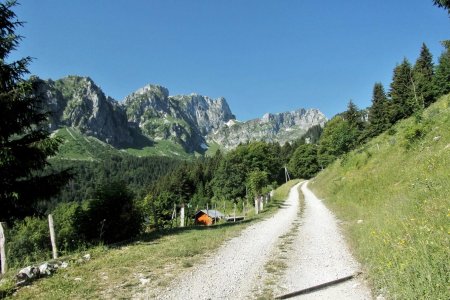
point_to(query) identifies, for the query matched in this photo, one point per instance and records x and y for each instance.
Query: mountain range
(150, 116)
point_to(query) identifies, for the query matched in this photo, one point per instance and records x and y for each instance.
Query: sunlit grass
(161, 148)
(77, 146)
(400, 190)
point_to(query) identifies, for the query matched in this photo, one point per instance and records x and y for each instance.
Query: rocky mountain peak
(279, 127)
(149, 114)
(185, 119)
(149, 90)
(78, 102)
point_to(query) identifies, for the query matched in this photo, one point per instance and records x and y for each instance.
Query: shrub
(68, 217)
(303, 163)
(28, 241)
(414, 133)
(112, 215)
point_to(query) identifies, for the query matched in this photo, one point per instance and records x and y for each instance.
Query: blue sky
(262, 56)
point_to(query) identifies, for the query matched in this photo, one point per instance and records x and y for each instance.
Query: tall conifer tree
(442, 75)
(379, 111)
(403, 99)
(353, 116)
(443, 4)
(423, 73)
(24, 142)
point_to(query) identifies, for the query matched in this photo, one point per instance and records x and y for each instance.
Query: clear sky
(262, 56)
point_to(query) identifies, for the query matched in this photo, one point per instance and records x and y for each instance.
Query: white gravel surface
(318, 254)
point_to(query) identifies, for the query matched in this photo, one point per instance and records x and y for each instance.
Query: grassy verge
(147, 264)
(398, 185)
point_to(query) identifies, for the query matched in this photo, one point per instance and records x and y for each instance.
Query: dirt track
(318, 254)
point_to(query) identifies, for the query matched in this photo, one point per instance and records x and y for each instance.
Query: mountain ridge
(149, 115)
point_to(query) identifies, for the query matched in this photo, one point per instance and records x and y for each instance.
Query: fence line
(181, 223)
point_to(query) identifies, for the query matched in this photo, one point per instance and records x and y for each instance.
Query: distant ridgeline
(150, 122)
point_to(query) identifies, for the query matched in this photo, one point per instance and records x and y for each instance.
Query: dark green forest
(118, 197)
(136, 172)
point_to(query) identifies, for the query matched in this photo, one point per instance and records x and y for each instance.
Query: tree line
(413, 88)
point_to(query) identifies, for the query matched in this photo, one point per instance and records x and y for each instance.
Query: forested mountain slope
(393, 194)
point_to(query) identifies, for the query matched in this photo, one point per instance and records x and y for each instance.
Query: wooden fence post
(234, 212)
(52, 236)
(174, 216)
(182, 215)
(3, 247)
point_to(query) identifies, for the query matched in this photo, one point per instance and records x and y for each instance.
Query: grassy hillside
(399, 186)
(162, 148)
(77, 146)
(118, 272)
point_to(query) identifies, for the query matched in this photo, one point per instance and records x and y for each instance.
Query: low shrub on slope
(398, 184)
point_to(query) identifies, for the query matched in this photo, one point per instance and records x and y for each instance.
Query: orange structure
(207, 217)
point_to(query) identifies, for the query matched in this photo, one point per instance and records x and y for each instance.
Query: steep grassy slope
(399, 186)
(77, 146)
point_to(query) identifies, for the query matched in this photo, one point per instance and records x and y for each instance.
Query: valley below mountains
(150, 117)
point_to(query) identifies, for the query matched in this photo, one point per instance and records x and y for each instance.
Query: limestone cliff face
(183, 119)
(281, 128)
(150, 115)
(203, 112)
(77, 102)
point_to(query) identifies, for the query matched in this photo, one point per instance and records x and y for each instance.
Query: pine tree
(403, 99)
(443, 4)
(353, 116)
(25, 145)
(379, 111)
(423, 73)
(442, 75)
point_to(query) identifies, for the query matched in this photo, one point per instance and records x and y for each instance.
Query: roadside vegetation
(398, 186)
(150, 262)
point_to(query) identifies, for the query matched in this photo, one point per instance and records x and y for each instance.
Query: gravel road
(318, 254)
